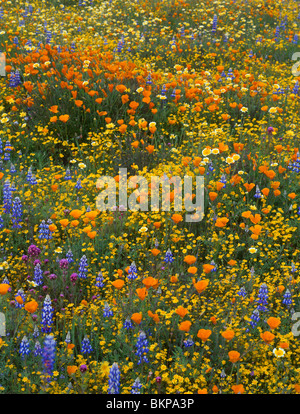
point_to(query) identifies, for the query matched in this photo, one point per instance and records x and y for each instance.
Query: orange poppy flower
(64, 118)
(189, 259)
(234, 356)
(192, 270)
(54, 109)
(201, 285)
(212, 195)
(273, 322)
(64, 222)
(204, 334)
(155, 252)
(238, 389)
(207, 268)
(76, 213)
(177, 218)
(154, 316)
(267, 337)
(181, 311)
(142, 293)
(150, 282)
(137, 318)
(221, 222)
(19, 300)
(228, 334)
(31, 306)
(118, 284)
(71, 369)
(185, 326)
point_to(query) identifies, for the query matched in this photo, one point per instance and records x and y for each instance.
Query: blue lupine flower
(29, 174)
(136, 387)
(255, 318)
(107, 312)
(36, 332)
(223, 180)
(99, 280)
(132, 271)
(38, 351)
(142, 348)
(24, 347)
(257, 193)
(295, 89)
(47, 315)
(78, 185)
(69, 256)
(12, 169)
(214, 24)
(149, 80)
(7, 196)
(83, 268)
(86, 347)
(44, 232)
(127, 324)
(163, 90)
(49, 354)
(114, 379)
(1, 222)
(263, 298)
(169, 257)
(38, 275)
(230, 74)
(33, 180)
(68, 174)
(242, 292)
(17, 213)
(287, 298)
(188, 342)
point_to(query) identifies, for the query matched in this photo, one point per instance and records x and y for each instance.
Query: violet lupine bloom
(38, 275)
(48, 354)
(86, 347)
(114, 379)
(83, 267)
(47, 315)
(142, 348)
(24, 347)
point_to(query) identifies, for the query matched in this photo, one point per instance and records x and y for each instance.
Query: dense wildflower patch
(122, 301)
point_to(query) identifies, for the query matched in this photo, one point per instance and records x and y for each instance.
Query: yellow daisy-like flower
(206, 152)
(229, 160)
(104, 368)
(279, 353)
(252, 250)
